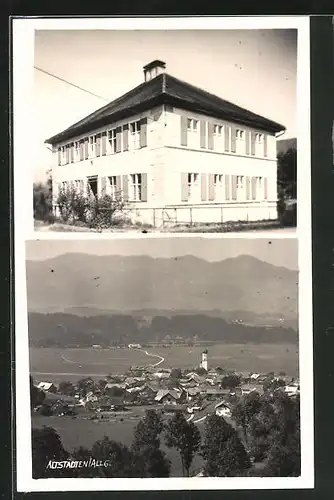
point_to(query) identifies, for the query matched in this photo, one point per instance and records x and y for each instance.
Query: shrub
(94, 212)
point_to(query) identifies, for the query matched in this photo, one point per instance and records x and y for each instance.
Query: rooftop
(168, 90)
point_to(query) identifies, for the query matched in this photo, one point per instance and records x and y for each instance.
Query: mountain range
(242, 288)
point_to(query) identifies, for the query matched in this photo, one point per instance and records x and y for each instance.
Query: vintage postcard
(163, 294)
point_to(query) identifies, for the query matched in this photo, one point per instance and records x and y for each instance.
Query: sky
(255, 69)
(278, 252)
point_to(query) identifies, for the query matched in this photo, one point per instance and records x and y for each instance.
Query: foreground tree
(46, 446)
(185, 437)
(119, 460)
(42, 200)
(244, 411)
(275, 435)
(146, 445)
(223, 452)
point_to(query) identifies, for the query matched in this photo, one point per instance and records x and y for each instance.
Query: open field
(72, 364)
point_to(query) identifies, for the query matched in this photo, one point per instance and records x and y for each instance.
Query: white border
(23, 52)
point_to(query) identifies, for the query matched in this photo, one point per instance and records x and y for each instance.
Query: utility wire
(70, 83)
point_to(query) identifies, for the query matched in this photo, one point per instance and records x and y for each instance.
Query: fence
(160, 217)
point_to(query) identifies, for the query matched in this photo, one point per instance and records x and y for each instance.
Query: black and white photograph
(163, 294)
(170, 358)
(133, 134)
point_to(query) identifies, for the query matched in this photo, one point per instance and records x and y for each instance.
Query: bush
(94, 212)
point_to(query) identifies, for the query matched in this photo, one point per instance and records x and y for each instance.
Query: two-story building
(174, 153)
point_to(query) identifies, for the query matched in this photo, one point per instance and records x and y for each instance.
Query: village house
(47, 387)
(174, 153)
(170, 396)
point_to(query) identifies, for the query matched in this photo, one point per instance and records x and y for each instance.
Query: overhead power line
(70, 83)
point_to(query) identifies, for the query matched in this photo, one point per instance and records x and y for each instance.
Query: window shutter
(184, 131)
(202, 128)
(184, 187)
(81, 150)
(143, 132)
(103, 186)
(126, 137)
(104, 143)
(125, 188)
(210, 135)
(253, 143)
(247, 133)
(86, 148)
(72, 152)
(143, 187)
(227, 187)
(59, 156)
(253, 188)
(265, 145)
(118, 139)
(227, 137)
(265, 188)
(203, 187)
(98, 145)
(247, 188)
(233, 140)
(212, 194)
(234, 187)
(82, 186)
(66, 154)
(118, 187)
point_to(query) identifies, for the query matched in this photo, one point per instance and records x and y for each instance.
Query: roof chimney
(153, 69)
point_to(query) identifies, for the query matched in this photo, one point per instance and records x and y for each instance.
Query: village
(197, 393)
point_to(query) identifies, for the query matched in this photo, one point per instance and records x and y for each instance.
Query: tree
(245, 410)
(223, 452)
(120, 460)
(114, 392)
(185, 437)
(46, 446)
(67, 388)
(42, 200)
(200, 371)
(85, 385)
(275, 434)
(176, 374)
(146, 445)
(272, 383)
(287, 173)
(230, 381)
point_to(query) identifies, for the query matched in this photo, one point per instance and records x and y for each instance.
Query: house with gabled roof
(173, 153)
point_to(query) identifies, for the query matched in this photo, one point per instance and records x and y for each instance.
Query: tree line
(68, 330)
(264, 441)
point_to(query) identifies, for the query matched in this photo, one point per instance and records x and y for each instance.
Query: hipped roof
(166, 89)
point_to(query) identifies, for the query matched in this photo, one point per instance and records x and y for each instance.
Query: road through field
(81, 368)
(161, 359)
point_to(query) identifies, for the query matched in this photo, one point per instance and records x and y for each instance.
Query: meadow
(72, 364)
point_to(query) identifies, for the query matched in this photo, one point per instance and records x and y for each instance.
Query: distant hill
(67, 330)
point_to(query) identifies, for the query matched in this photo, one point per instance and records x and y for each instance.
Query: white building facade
(173, 159)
